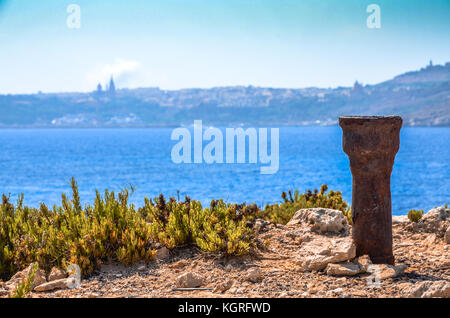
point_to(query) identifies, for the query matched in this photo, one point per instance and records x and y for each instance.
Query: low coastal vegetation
(415, 215)
(282, 213)
(220, 228)
(113, 230)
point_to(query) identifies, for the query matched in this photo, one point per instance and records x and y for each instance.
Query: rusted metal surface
(371, 144)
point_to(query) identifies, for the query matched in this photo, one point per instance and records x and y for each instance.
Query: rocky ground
(312, 256)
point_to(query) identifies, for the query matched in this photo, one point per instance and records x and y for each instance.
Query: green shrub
(7, 235)
(220, 228)
(224, 228)
(348, 214)
(282, 213)
(109, 230)
(415, 215)
(113, 230)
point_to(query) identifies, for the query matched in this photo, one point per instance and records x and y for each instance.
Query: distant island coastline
(421, 97)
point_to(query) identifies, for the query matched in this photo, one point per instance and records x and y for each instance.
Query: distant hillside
(421, 97)
(431, 73)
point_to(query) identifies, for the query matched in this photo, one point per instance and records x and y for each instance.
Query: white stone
(337, 291)
(56, 284)
(385, 271)
(162, 253)
(430, 240)
(320, 219)
(189, 280)
(400, 219)
(255, 275)
(436, 221)
(142, 268)
(56, 273)
(436, 215)
(223, 286)
(428, 289)
(317, 254)
(438, 289)
(363, 262)
(343, 269)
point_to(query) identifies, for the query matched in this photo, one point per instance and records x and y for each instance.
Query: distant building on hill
(357, 87)
(112, 87)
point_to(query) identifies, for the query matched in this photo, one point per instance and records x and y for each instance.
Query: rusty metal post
(371, 143)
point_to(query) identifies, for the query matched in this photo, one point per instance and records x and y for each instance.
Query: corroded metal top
(370, 141)
(347, 120)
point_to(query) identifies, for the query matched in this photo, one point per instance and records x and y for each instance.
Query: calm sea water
(40, 162)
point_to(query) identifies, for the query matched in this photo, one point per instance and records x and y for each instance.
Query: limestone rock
(447, 235)
(436, 215)
(19, 277)
(335, 292)
(417, 290)
(363, 262)
(142, 268)
(343, 269)
(228, 268)
(180, 264)
(436, 221)
(255, 275)
(63, 283)
(3, 292)
(162, 253)
(261, 225)
(236, 290)
(438, 289)
(400, 219)
(189, 280)
(223, 286)
(385, 271)
(430, 240)
(321, 219)
(299, 236)
(56, 273)
(317, 254)
(428, 289)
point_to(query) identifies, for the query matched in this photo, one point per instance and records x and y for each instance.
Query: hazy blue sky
(203, 43)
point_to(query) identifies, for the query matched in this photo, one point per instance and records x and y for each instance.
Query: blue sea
(40, 162)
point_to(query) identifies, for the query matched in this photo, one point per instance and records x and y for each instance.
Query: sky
(175, 44)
